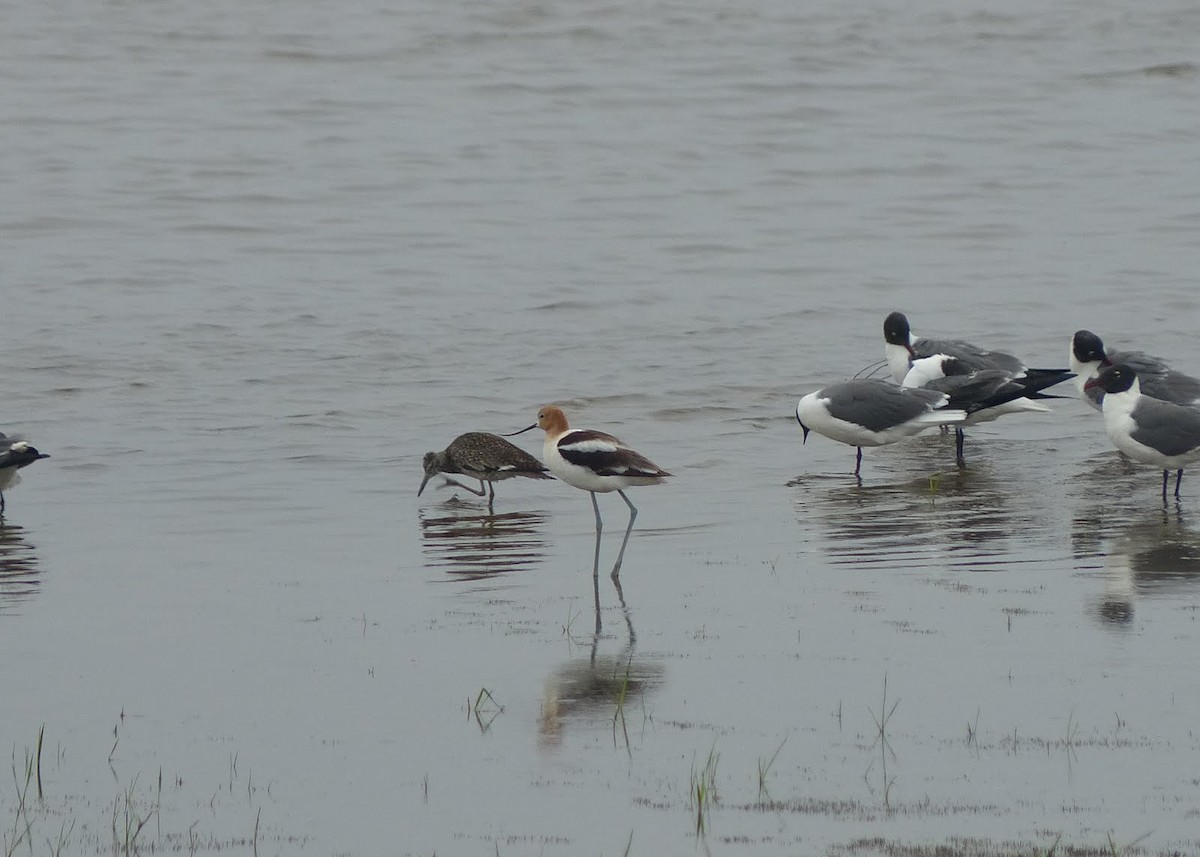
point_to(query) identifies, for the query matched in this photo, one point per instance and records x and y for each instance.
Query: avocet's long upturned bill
(1165, 434)
(871, 412)
(15, 453)
(483, 456)
(973, 389)
(595, 462)
(1155, 377)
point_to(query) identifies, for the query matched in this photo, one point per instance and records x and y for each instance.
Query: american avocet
(871, 412)
(974, 389)
(483, 456)
(15, 453)
(597, 463)
(1165, 434)
(901, 347)
(1156, 379)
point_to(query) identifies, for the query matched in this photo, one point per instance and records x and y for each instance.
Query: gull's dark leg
(632, 517)
(1, 504)
(858, 461)
(1178, 479)
(960, 437)
(1166, 473)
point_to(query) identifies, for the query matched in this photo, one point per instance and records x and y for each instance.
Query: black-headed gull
(1149, 430)
(970, 386)
(1156, 378)
(15, 453)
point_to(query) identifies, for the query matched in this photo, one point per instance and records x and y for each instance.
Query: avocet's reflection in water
(598, 687)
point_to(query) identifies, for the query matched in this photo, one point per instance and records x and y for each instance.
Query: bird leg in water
(480, 492)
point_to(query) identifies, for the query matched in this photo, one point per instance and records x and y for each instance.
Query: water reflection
(961, 518)
(20, 575)
(1157, 556)
(599, 689)
(471, 542)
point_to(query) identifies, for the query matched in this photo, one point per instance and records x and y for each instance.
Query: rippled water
(259, 259)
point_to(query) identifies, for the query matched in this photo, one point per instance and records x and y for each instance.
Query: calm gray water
(259, 258)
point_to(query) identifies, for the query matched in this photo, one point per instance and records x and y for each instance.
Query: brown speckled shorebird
(486, 457)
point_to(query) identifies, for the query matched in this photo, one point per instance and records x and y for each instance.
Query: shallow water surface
(259, 260)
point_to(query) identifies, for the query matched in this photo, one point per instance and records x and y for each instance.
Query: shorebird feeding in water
(15, 453)
(483, 456)
(597, 463)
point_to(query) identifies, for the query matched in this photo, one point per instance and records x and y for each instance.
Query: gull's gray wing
(877, 405)
(1170, 428)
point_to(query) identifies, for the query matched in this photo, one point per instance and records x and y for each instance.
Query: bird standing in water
(597, 463)
(15, 453)
(483, 456)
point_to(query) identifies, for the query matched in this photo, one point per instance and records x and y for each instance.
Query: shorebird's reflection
(961, 518)
(469, 543)
(1156, 557)
(598, 688)
(20, 574)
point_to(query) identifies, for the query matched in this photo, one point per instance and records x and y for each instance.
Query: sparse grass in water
(128, 821)
(702, 789)
(881, 721)
(1072, 731)
(485, 709)
(619, 714)
(764, 771)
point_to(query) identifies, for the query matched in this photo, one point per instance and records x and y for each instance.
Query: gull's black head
(1113, 379)
(896, 330)
(1086, 346)
(18, 454)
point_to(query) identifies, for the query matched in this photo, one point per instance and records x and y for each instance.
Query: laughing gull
(901, 347)
(1156, 378)
(15, 453)
(871, 412)
(968, 387)
(1149, 430)
(486, 457)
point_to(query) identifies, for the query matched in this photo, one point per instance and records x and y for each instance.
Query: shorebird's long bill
(424, 482)
(522, 431)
